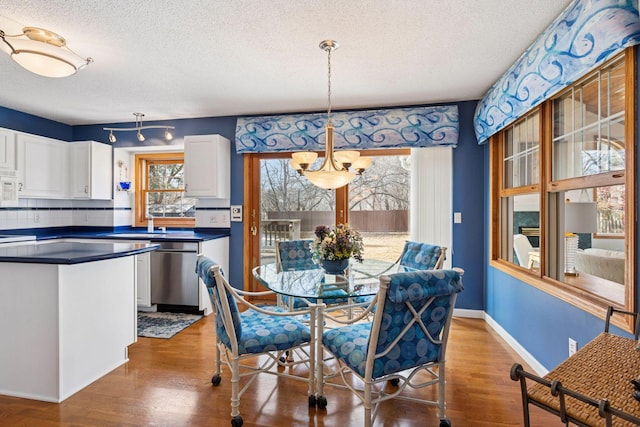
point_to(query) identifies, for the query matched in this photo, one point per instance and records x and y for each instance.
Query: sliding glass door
(283, 205)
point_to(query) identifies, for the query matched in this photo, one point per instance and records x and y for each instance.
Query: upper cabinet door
(91, 170)
(7, 149)
(206, 166)
(42, 167)
(79, 177)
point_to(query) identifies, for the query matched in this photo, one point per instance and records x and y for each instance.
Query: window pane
(379, 206)
(589, 126)
(290, 206)
(610, 204)
(524, 234)
(166, 176)
(589, 252)
(170, 205)
(522, 148)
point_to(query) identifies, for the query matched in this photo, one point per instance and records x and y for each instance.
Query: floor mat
(164, 325)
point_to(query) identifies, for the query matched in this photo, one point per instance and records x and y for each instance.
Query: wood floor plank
(168, 383)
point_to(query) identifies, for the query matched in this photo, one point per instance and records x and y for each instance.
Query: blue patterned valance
(586, 34)
(359, 130)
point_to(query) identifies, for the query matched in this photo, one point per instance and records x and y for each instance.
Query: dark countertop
(124, 233)
(70, 253)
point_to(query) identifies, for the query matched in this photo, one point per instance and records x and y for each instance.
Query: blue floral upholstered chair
(406, 341)
(242, 335)
(298, 255)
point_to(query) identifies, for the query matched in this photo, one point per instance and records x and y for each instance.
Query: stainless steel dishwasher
(173, 274)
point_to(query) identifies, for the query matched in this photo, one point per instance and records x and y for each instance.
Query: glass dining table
(320, 288)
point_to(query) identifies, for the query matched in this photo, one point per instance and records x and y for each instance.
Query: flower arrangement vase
(335, 266)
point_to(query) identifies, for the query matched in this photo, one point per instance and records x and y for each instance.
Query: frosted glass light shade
(45, 54)
(304, 157)
(346, 157)
(329, 179)
(362, 163)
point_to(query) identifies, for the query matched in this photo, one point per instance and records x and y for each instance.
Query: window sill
(577, 292)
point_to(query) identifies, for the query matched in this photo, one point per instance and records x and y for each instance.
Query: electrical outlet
(573, 346)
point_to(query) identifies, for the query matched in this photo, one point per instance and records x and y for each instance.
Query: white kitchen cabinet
(7, 149)
(91, 170)
(143, 279)
(42, 167)
(206, 166)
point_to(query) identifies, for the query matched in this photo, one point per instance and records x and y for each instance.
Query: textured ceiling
(197, 58)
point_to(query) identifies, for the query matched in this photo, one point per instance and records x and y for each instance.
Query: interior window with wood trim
(160, 191)
(565, 188)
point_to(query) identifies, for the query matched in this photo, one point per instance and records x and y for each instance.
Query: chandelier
(334, 172)
(43, 52)
(167, 133)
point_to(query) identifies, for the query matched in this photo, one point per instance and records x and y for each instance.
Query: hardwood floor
(168, 383)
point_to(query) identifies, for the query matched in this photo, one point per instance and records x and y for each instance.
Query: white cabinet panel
(91, 171)
(42, 167)
(143, 279)
(206, 166)
(80, 179)
(7, 149)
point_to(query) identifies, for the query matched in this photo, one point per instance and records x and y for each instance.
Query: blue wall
(29, 123)
(468, 198)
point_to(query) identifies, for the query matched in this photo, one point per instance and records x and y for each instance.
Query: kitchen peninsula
(67, 314)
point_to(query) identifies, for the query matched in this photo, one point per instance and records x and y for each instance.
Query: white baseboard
(528, 358)
(471, 314)
(515, 345)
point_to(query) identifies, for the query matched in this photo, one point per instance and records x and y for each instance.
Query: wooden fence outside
(364, 221)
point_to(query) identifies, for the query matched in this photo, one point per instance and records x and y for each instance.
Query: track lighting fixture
(168, 135)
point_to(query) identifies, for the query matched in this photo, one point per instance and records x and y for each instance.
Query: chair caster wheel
(445, 423)
(215, 380)
(312, 401)
(394, 382)
(237, 421)
(322, 402)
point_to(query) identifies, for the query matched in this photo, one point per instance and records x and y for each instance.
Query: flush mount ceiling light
(334, 172)
(44, 52)
(138, 129)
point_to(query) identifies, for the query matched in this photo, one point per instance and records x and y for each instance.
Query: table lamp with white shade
(579, 217)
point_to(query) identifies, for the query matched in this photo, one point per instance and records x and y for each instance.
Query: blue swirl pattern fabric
(353, 130)
(352, 343)
(421, 256)
(586, 34)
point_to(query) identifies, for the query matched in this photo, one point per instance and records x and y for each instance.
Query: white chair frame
(233, 360)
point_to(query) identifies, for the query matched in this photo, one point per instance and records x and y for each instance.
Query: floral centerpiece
(334, 246)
